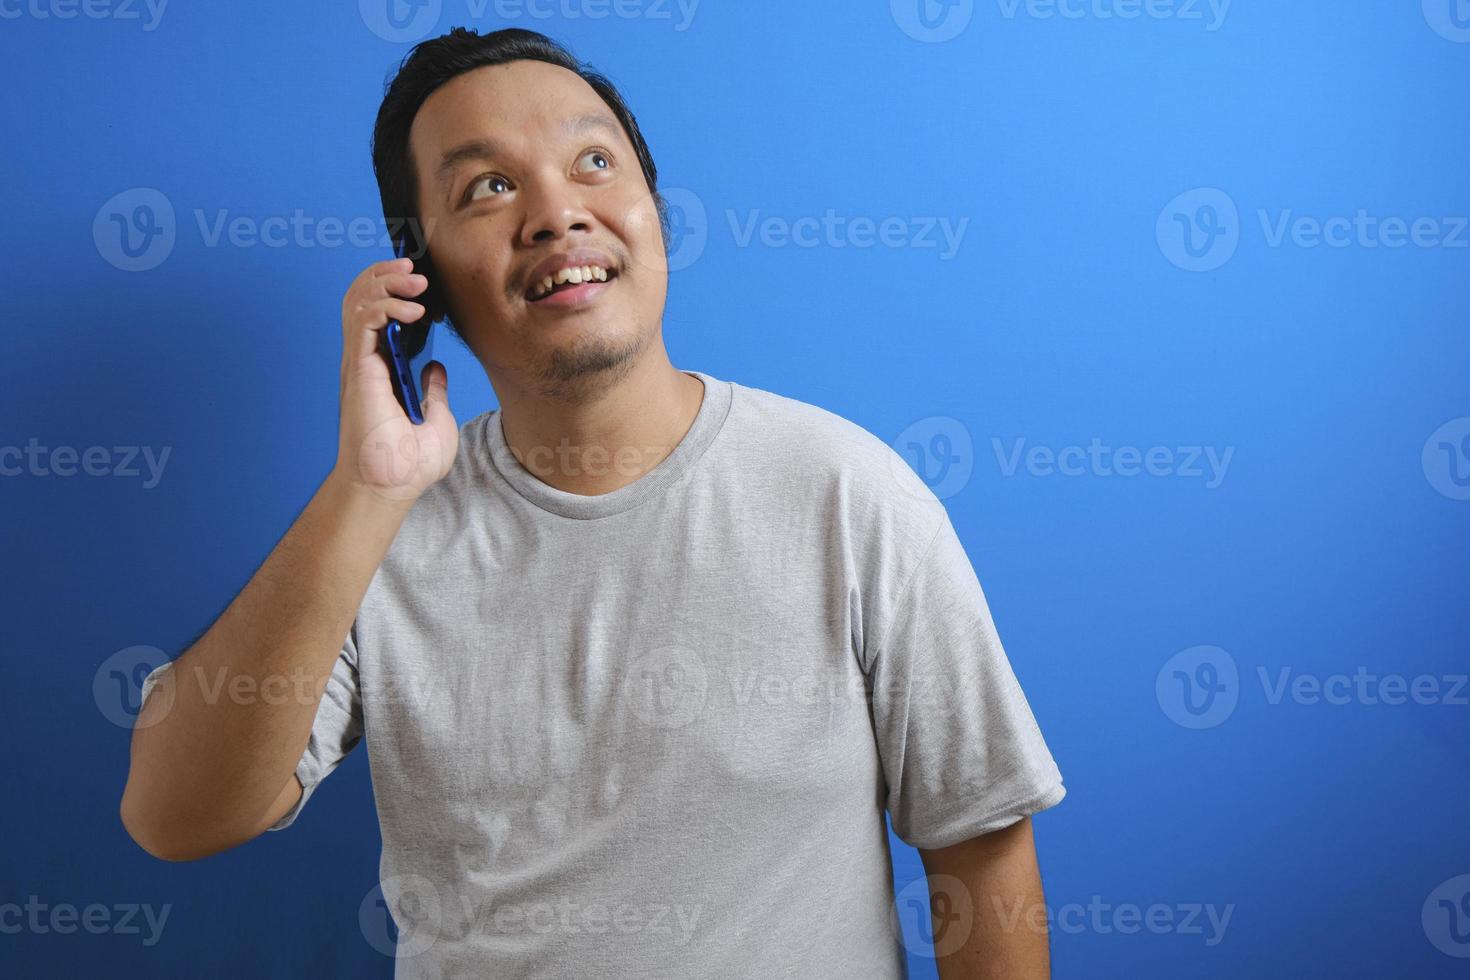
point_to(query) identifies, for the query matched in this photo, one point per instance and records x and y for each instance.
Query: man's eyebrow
(487, 149)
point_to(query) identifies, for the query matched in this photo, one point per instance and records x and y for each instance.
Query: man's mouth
(571, 285)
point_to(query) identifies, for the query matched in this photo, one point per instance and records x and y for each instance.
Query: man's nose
(553, 210)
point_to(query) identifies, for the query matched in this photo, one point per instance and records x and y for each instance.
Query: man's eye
(489, 181)
(602, 159)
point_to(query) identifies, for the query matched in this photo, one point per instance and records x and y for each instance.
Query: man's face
(520, 165)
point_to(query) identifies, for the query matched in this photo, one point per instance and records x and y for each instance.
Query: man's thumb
(436, 385)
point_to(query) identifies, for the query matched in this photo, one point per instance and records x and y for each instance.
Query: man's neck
(612, 438)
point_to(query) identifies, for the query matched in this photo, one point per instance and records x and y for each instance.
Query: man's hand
(378, 447)
(988, 907)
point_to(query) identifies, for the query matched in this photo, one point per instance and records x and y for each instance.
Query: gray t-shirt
(652, 732)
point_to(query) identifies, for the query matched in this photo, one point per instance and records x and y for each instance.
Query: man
(642, 656)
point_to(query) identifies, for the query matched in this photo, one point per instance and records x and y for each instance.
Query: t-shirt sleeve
(335, 732)
(962, 754)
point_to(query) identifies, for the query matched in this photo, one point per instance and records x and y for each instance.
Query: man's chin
(589, 362)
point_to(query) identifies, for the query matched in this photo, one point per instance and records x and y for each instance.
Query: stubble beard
(588, 366)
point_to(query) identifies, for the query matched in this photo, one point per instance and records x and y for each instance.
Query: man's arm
(216, 744)
(988, 907)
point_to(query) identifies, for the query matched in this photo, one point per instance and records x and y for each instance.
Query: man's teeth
(574, 275)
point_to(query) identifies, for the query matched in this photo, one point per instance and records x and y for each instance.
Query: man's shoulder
(786, 419)
(828, 448)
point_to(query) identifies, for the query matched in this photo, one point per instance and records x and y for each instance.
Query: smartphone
(408, 348)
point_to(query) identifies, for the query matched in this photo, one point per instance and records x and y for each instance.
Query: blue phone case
(408, 349)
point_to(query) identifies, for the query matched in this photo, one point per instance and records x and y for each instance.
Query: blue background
(1064, 316)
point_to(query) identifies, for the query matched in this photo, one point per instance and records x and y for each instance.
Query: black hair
(429, 65)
